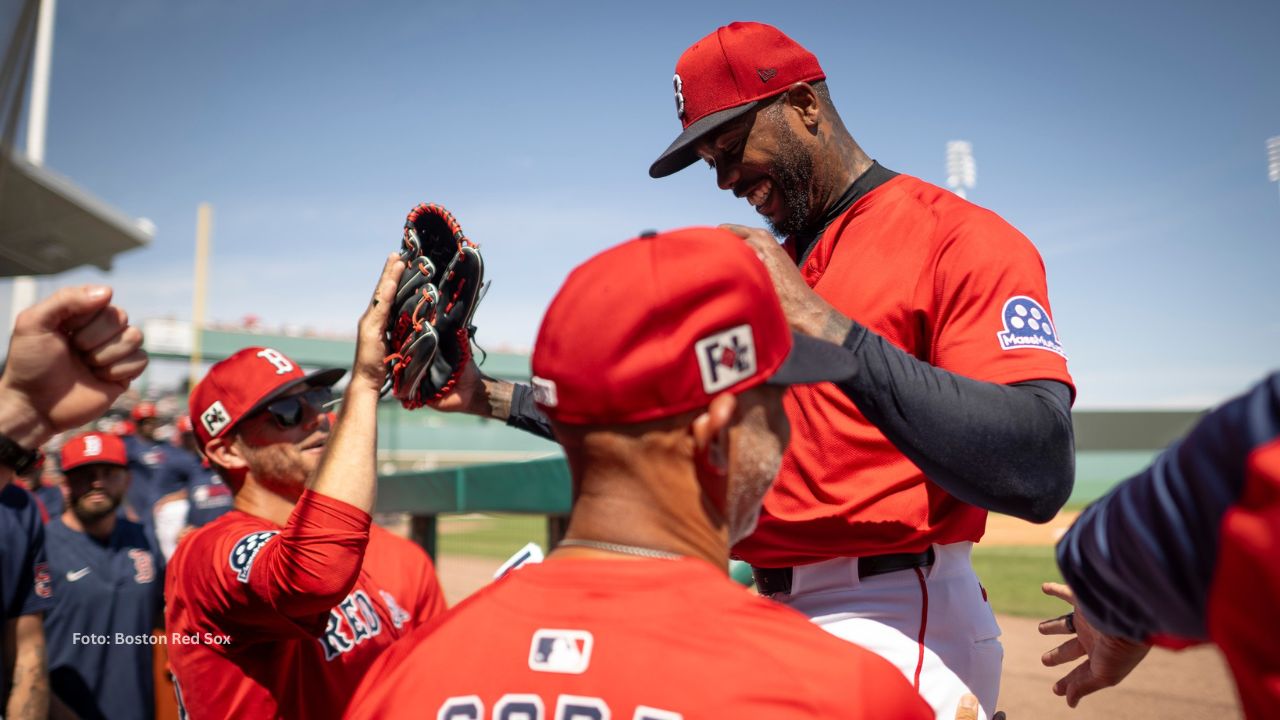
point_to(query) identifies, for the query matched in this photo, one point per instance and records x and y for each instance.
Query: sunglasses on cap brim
(289, 411)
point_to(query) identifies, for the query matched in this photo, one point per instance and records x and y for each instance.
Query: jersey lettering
(360, 616)
(283, 365)
(334, 641)
(577, 707)
(398, 616)
(519, 706)
(644, 712)
(461, 708)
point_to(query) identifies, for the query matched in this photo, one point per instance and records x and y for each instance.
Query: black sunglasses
(289, 411)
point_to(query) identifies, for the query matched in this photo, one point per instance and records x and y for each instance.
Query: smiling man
(277, 608)
(108, 578)
(961, 402)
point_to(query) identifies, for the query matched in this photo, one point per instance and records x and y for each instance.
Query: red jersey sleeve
(991, 318)
(271, 583)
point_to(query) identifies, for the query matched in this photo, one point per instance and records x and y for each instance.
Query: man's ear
(710, 431)
(226, 452)
(804, 100)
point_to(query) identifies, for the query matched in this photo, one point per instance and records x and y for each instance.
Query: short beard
(279, 469)
(88, 517)
(792, 170)
(758, 458)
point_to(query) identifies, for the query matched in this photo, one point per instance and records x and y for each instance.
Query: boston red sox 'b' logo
(679, 96)
(277, 358)
(144, 567)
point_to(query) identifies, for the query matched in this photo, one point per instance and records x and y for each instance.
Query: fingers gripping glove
(429, 332)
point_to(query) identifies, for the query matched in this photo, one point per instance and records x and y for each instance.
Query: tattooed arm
(29, 677)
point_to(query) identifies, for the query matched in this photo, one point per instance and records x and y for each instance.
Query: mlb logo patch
(560, 651)
(726, 358)
(1027, 325)
(246, 550)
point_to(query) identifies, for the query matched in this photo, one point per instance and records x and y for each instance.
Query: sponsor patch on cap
(544, 392)
(560, 651)
(1027, 325)
(726, 358)
(215, 418)
(246, 549)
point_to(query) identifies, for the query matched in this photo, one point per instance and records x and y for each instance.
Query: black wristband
(17, 457)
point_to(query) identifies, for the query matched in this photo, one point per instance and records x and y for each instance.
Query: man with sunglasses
(278, 607)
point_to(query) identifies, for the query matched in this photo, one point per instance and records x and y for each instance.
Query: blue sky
(1127, 140)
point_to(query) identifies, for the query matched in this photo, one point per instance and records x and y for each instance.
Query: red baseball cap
(723, 75)
(93, 448)
(143, 411)
(661, 324)
(237, 387)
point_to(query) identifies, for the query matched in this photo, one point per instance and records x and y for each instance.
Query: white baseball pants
(933, 623)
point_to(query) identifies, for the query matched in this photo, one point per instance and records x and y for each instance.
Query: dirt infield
(1003, 530)
(1170, 686)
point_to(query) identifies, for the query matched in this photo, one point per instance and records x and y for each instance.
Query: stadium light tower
(961, 170)
(1273, 159)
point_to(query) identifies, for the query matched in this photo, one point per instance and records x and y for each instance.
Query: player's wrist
(20, 421)
(496, 400)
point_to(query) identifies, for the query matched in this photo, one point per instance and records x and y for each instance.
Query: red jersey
(1246, 586)
(634, 639)
(265, 621)
(955, 286)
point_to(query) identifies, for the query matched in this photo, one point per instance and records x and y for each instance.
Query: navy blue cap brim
(813, 361)
(681, 154)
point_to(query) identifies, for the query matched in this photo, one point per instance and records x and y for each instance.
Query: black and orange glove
(429, 332)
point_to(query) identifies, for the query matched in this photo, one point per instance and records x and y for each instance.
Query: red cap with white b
(723, 76)
(237, 387)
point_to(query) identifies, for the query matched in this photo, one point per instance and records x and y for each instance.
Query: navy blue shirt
(24, 566)
(208, 496)
(110, 597)
(1143, 558)
(25, 586)
(146, 460)
(176, 469)
(51, 496)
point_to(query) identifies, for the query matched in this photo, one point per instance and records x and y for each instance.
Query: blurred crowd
(172, 489)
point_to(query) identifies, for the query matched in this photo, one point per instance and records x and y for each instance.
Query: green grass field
(490, 536)
(1012, 575)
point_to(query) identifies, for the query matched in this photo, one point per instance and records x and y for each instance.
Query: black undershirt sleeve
(525, 415)
(1006, 448)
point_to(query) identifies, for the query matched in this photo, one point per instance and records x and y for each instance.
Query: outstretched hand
(369, 368)
(1108, 659)
(476, 394)
(70, 356)
(806, 311)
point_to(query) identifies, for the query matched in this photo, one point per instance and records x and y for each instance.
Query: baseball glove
(429, 332)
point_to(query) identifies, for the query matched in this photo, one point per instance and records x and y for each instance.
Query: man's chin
(94, 513)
